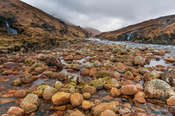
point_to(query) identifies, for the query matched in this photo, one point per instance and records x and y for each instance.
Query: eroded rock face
(30, 103)
(158, 89)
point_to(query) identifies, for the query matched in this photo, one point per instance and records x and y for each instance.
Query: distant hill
(156, 31)
(93, 31)
(24, 26)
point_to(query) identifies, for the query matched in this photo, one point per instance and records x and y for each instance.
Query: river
(154, 62)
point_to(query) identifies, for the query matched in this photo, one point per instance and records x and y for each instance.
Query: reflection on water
(135, 45)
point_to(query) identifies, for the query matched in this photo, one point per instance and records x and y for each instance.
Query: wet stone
(15, 111)
(129, 89)
(158, 89)
(30, 103)
(49, 92)
(86, 95)
(20, 93)
(87, 105)
(115, 92)
(108, 113)
(171, 101)
(76, 99)
(52, 61)
(58, 85)
(61, 98)
(97, 110)
(77, 113)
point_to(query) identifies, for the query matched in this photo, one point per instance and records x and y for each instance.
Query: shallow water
(45, 106)
(171, 48)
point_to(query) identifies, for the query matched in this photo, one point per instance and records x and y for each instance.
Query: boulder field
(86, 79)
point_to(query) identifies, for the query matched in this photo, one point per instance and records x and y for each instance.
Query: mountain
(155, 31)
(23, 27)
(93, 31)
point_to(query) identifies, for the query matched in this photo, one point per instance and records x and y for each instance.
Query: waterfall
(130, 35)
(9, 29)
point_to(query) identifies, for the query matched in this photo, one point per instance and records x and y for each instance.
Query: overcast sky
(105, 15)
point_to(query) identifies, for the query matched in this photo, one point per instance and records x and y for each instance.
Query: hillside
(23, 27)
(93, 31)
(156, 31)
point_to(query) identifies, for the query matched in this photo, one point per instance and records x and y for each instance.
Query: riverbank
(91, 78)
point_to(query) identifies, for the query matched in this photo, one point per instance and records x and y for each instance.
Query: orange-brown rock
(129, 89)
(140, 97)
(61, 98)
(171, 101)
(115, 92)
(76, 99)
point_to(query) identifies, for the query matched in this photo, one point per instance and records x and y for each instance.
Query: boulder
(30, 103)
(153, 75)
(20, 93)
(129, 89)
(86, 95)
(76, 99)
(140, 97)
(171, 101)
(89, 89)
(128, 75)
(97, 110)
(15, 111)
(86, 105)
(138, 60)
(61, 98)
(115, 92)
(84, 72)
(52, 61)
(108, 113)
(77, 113)
(58, 85)
(49, 92)
(158, 89)
(63, 76)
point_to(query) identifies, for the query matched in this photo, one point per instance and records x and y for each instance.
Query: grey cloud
(105, 15)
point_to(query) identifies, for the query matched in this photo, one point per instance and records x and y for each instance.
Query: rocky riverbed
(89, 78)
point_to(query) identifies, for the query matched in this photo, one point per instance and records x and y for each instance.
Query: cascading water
(9, 29)
(130, 35)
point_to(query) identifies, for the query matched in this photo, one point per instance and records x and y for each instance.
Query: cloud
(105, 15)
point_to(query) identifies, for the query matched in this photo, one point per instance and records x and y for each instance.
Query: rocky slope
(156, 31)
(23, 26)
